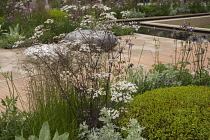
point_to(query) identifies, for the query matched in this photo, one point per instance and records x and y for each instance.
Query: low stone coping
(159, 17)
(195, 22)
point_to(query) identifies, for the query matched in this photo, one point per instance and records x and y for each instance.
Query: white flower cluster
(103, 75)
(98, 92)
(83, 8)
(101, 7)
(20, 5)
(110, 15)
(17, 43)
(38, 28)
(41, 51)
(125, 14)
(87, 20)
(61, 36)
(39, 31)
(134, 25)
(49, 21)
(84, 48)
(113, 113)
(65, 75)
(66, 8)
(122, 90)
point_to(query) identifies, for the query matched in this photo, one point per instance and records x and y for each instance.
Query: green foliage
(32, 21)
(163, 75)
(108, 131)
(11, 120)
(55, 29)
(135, 13)
(197, 7)
(118, 14)
(155, 10)
(172, 113)
(2, 20)
(208, 7)
(14, 32)
(176, 9)
(56, 15)
(8, 40)
(208, 27)
(45, 134)
(120, 30)
(48, 103)
(3, 4)
(201, 77)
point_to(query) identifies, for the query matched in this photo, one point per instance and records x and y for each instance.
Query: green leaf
(3, 102)
(56, 136)
(45, 132)
(19, 138)
(64, 136)
(33, 138)
(10, 30)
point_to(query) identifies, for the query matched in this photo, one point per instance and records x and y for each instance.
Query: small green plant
(172, 113)
(197, 7)
(162, 75)
(120, 29)
(155, 10)
(176, 9)
(45, 134)
(12, 120)
(15, 33)
(108, 131)
(10, 38)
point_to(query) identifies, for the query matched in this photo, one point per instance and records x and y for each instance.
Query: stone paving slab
(10, 62)
(165, 52)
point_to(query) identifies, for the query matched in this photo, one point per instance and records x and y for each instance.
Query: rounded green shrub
(175, 113)
(57, 15)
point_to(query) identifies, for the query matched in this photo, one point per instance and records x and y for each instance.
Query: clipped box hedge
(57, 15)
(176, 113)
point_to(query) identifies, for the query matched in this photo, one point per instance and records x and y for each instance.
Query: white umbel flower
(122, 91)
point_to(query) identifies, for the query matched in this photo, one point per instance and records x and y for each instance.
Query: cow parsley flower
(65, 75)
(122, 90)
(98, 93)
(101, 6)
(112, 113)
(40, 51)
(38, 28)
(17, 43)
(49, 21)
(125, 13)
(84, 48)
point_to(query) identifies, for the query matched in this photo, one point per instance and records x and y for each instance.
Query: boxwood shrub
(57, 15)
(172, 113)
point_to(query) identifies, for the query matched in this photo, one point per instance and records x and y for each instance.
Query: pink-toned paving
(146, 50)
